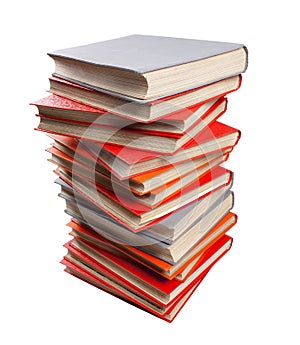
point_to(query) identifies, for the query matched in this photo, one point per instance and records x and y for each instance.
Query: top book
(145, 68)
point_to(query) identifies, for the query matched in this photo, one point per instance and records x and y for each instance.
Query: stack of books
(138, 151)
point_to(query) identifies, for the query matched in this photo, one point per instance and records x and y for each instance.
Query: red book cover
(58, 102)
(132, 156)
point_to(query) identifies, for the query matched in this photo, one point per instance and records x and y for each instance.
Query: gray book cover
(142, 53)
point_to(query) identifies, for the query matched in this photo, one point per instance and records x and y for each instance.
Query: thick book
(142, 140)
(86, 268)
(83, 232)
(147, 67)
(149, 111)
(60, 108)
(136, 216)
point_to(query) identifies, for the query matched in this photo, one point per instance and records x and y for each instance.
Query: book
(166, 313)
(83, 232)
(137, 277)
(60, 108)
(138, 151)
(144, 112)
(130, 138)
(172, 252)
(136, 216)
(146, 67)
(84, 267)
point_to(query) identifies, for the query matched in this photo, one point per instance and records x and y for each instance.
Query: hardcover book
(143, 140)
(149, 111)
(125, 162)
(79, 270)
(147, 67)
(83, 232)
(149, 182)
(60, 108)
(137, 277)
(125, 281)
(172, 252)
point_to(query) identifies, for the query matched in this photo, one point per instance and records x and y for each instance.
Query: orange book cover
(132, 156)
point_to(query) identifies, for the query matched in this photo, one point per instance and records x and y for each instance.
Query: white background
(252, 295)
